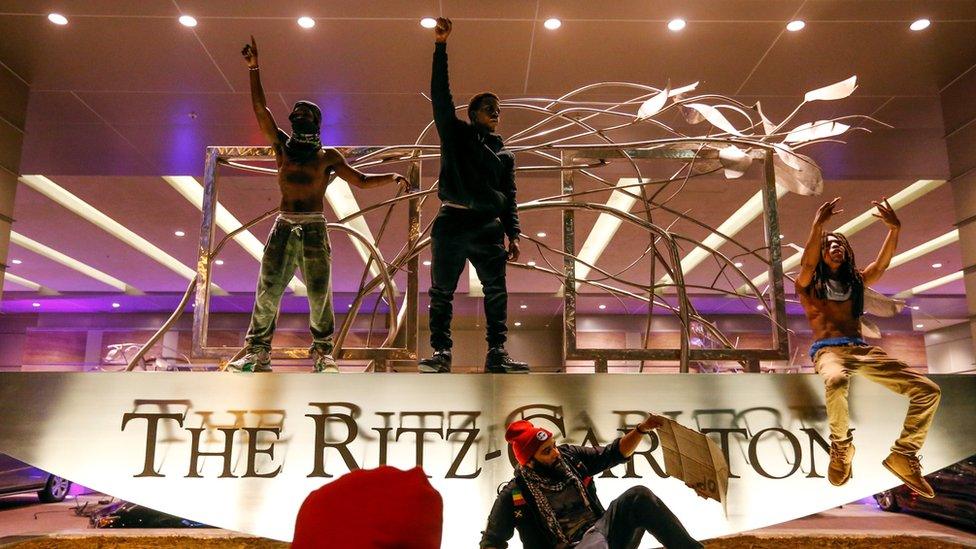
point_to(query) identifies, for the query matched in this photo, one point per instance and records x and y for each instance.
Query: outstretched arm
(629, 442)
(265, 119)
(358, 178)
(872, 273)
(440, 88)
(811, 252)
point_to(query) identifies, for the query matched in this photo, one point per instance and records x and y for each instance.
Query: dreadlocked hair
(847, 274)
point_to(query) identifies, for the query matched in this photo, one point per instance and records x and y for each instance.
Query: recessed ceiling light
(218, 262)
(517, 324)
(738, 264)
(188, 21)
(920, 24)
(602, 306)
(16, 261)
(35, 304)
(116, 305)
(523, 306)
(553, 24)
(794, 26)
(179, 233)
(540, 234)
(914, 307)
(350, 306)
(920, 325)
(57, 19)
(531, 263)
(676, 24)
(426, 263)
(428, 22)
(936, 265)
(306, 22)
(760, 307)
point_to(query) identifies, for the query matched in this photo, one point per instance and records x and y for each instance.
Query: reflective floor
(22, 516)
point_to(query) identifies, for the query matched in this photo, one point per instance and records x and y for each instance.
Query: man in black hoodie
(477, 193)
(553, 504)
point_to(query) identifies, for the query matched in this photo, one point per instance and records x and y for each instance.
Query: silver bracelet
(252, 68)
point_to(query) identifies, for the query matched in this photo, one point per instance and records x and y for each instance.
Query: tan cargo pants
(837, 364)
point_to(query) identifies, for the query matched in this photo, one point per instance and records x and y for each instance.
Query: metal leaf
(653, 105)
(878, 304)
(768, 127)
(839, 90)
(786, 154)
(735, 161)
(804, 180)
(869, 329)
(691, 116)
(714, 117)
(820, 129)
(679, 92)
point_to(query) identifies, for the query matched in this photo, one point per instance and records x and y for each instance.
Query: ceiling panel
(887, 58)
(39, 218)
(108, 53)
(718, 55)
(124, 94)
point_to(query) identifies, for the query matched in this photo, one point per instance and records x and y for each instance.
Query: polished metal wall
(242, 451)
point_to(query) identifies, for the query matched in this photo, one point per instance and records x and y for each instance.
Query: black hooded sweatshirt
(476, 170)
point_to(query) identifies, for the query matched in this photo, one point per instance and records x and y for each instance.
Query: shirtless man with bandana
(299, 236)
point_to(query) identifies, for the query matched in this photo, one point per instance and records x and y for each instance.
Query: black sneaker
(498, 362)
(440, 363)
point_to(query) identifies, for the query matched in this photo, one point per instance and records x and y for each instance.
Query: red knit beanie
(381, 508)
(526, 439)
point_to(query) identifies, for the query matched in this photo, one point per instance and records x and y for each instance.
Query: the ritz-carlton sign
(336, 428)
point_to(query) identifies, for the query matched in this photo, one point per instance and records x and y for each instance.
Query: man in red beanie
(552, 500)
(382, 508)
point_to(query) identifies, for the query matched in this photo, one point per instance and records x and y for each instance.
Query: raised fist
(250, 53)
(442, 30)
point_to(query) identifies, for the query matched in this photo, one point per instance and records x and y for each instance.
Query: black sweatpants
(459, 235)
(637, 511)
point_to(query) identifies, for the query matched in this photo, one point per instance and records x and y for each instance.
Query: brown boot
(841, 457)
(909, 469)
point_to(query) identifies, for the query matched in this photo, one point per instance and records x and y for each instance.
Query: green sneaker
(258, 360)
(324, 362)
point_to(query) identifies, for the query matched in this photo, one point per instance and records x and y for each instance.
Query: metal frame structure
(407, 333)
(684, 354)
(380, 356)
(572, 135)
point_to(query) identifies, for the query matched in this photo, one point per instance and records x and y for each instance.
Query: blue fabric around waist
(836, 342)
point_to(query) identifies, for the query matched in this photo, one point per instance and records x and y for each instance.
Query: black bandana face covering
(305, 140)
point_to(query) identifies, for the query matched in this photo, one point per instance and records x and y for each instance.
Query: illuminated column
(13, 113)
(959, 117)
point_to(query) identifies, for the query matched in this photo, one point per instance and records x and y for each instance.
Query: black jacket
(476, 170)
(507, 515)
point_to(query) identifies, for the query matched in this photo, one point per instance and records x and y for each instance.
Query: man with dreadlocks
(299, 234)
(478, 210)
(552, 500)
(831, 290)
